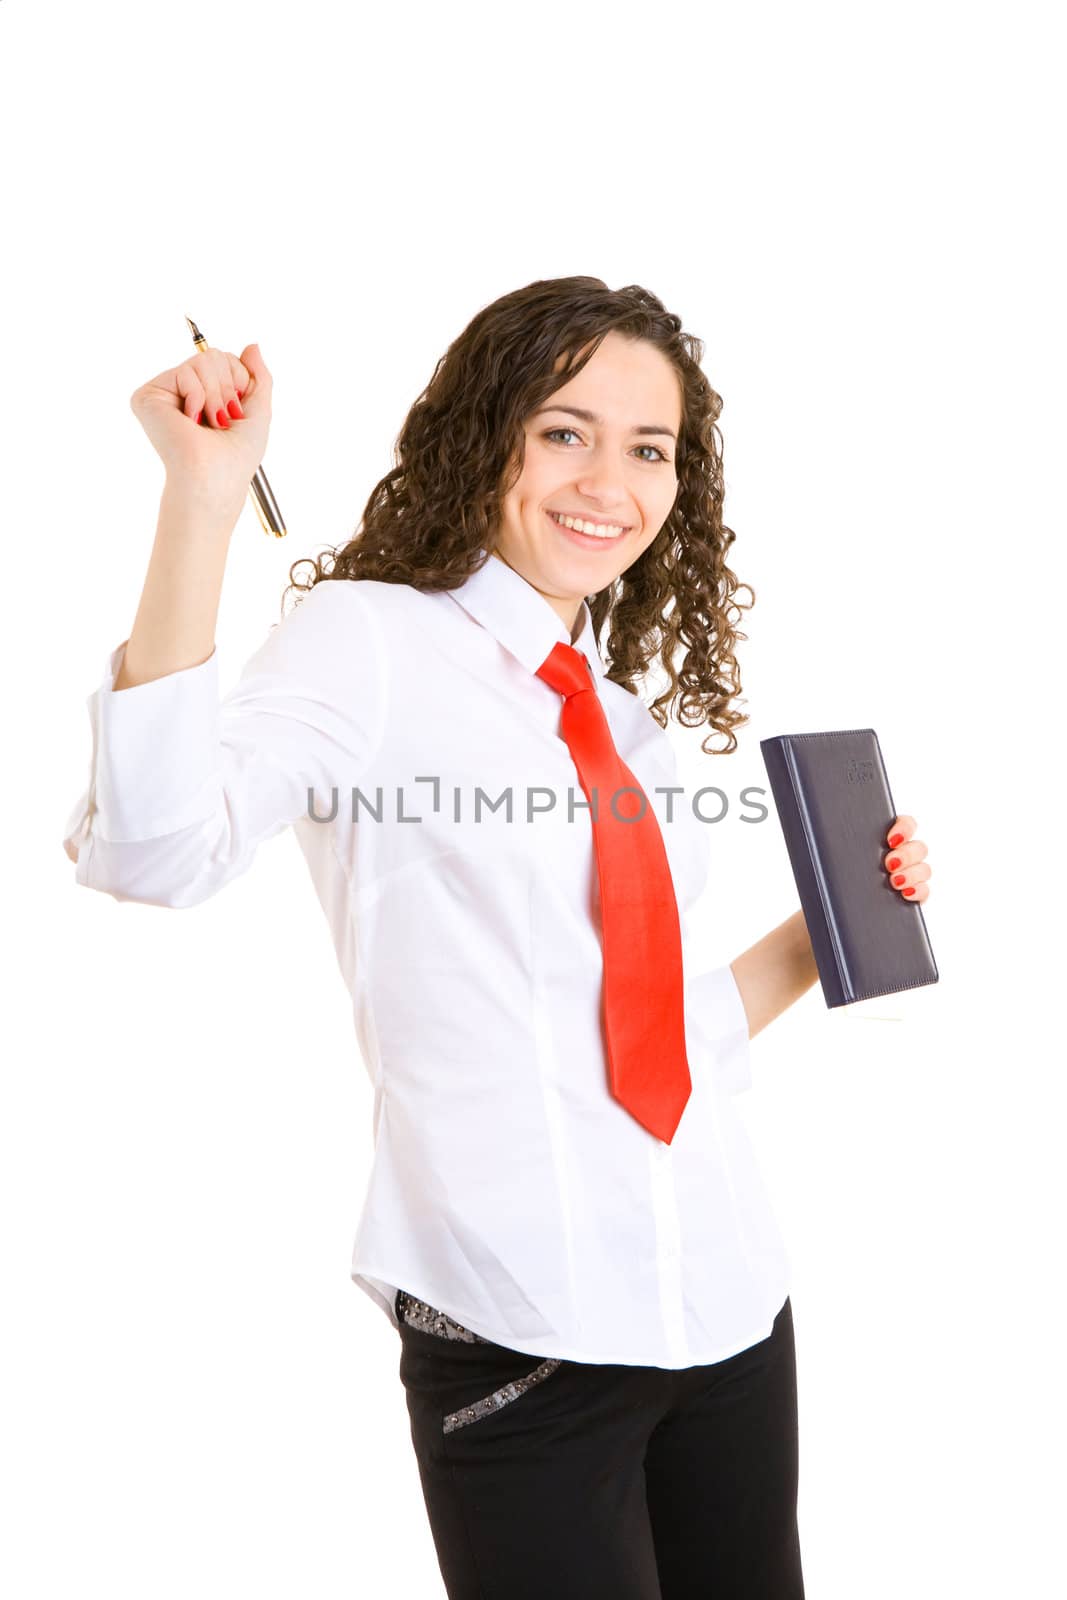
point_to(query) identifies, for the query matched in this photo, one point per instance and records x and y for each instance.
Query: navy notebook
(835, 810)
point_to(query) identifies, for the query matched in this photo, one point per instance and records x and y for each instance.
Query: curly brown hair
(461, 449)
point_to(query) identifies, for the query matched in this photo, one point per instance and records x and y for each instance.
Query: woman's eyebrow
(591, 416)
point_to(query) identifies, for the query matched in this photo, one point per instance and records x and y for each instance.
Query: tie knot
(567, 670)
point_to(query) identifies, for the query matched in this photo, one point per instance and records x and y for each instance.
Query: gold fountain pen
(260, 490)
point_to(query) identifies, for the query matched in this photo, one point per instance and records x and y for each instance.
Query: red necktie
(644, 1017)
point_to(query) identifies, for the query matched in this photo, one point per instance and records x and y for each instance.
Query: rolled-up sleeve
(715, 1010)
(183, 786)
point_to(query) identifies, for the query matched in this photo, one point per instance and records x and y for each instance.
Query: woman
(567, 1227)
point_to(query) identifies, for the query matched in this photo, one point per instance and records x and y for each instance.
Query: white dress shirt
(509, 1188)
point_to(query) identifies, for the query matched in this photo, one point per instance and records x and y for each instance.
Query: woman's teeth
(595, 530)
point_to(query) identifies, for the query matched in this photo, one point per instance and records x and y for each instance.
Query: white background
(859, 211)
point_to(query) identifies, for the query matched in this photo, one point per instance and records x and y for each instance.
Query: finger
(190, 389)
(911, 877)
(257, 399)
(917, 896)
(902, 830)
(905, 855)
(226, 387)
(213, 370)
(240, 375)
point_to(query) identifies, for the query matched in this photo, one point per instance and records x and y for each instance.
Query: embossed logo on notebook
(860, 771)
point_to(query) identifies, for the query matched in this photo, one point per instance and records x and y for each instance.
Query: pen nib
(194, 330)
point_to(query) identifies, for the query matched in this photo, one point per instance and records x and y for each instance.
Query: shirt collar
(520, 617)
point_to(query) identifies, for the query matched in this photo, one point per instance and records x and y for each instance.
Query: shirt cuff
(155, 754)
(721, 1023)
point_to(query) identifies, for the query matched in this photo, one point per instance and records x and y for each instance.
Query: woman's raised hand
(217, 458)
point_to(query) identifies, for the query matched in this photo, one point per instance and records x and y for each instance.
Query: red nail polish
(898, 880)
(893, 863)
(898, 838)
(221, 418)
(200, 416)
(234, 408)
(908, 891)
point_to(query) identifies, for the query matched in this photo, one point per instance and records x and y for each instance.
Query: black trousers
(556, 1479)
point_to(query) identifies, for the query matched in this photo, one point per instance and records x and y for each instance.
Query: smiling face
(614, 466)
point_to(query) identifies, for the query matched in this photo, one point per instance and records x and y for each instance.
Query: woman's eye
(553, 433)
